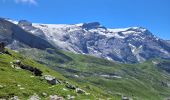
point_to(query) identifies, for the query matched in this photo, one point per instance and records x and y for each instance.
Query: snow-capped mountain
(129, 45)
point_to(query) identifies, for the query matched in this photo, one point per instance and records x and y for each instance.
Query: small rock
(126, 98)
(1, 86)
(14, 98)
(87, 93)
(65, 89)
(55, 97)
(70, 86)
(76, 76)
(18, 62)
(31, 76)
(69, 97)
(34, 97)
(12, 66)
(44, 94)
(78, 90)
(21, 88)
(51, 79)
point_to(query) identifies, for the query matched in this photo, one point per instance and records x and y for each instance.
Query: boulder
(78, 90)
(51, 79)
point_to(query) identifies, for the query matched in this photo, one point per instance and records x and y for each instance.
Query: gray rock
(1, 86)
(35, 97)
(126, 98)
(70, 86)
(55, 97)
(78, 90)
(14, 98)
(51, 79)
(44, 94)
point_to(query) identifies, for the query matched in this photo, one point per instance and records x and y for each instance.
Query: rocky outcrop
(34, 70)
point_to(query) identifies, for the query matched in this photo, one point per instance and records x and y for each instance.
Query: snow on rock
(128, 45)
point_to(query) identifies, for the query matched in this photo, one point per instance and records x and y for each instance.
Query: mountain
(127, 45)
(42, 67)
(15, 37)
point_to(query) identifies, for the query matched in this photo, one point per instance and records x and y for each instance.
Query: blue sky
(151, 14)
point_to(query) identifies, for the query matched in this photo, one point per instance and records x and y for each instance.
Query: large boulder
(51, 79)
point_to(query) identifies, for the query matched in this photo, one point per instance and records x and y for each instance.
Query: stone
(21, 88)
(55, 97)
(51, 79)
(1, 86)
(34, 97)
(78, 90)
(44, 94)
(18, 62)
(70, 86)
(14, 98)
(64, 89)
(69, 97)
(126, 98)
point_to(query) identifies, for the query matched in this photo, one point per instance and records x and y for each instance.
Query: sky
(151, 14)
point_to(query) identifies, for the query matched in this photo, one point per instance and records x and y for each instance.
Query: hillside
(22, 78)
(146, 81)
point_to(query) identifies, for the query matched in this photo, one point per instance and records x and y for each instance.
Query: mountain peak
(92, 25)
(24, 23)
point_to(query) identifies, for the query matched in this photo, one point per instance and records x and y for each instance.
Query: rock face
(16, 37)
(128, 45)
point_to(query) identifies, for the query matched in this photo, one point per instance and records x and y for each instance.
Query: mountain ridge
(127, 45)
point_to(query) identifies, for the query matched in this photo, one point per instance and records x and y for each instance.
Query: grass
(22, 83)
(139, 81)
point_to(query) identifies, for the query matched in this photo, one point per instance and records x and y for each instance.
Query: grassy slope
(13, 79)
(139, 81)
